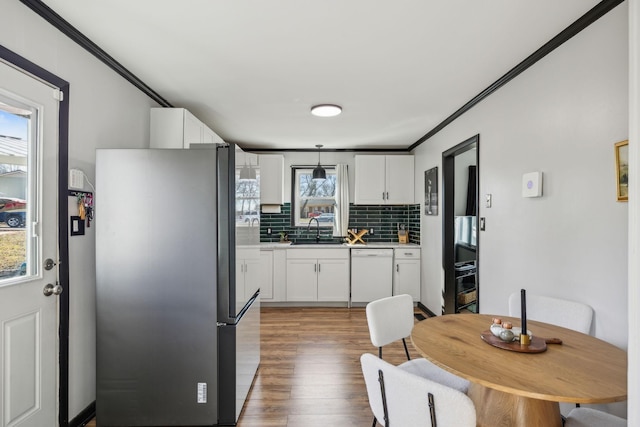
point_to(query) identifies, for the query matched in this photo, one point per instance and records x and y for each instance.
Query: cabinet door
(167, 128)
(271, 179)
(302, 280)
(251, 276)
(266, 275)
(209, 136)
(333, 280)
(370, 180)
(192, 129)
(279, 276)
(399, 180)
(406, 278)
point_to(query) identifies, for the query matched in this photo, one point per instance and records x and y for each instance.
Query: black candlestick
(524, 335)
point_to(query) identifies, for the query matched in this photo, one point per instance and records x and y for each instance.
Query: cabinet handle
(383, 195)
(387, 195)
(318, 267)
(315, 268)
(398, 268)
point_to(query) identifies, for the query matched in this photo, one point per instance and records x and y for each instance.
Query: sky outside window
(13, 126)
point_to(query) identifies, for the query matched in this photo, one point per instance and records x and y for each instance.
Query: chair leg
(384, 398)
(406, 350)
(432, 411)
(374, 422)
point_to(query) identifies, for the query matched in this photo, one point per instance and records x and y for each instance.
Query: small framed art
(622, 170)
(431, 191)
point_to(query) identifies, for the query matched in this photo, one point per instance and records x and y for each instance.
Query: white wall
(561, 117)
(105, 112)
(634, 213)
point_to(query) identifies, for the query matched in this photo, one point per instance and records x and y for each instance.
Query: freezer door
(239, 358)
(238, 230)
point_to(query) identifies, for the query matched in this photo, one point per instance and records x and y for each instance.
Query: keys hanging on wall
(88, 208)
(85, 206)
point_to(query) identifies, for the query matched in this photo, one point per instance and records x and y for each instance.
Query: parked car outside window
(325, 217)
(13, 211)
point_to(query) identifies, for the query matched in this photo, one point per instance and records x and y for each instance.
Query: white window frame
(33, 253)
(296, 199)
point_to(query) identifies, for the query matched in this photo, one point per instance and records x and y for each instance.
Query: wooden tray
(537, 345)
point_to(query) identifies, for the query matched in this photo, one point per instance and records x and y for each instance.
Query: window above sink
(312, 198)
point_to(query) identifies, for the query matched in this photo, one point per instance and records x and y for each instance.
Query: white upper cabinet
(178, 128)
(271, 179)
(384, 180)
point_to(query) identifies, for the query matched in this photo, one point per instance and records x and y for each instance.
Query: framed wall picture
(431, 191)
(622, 170)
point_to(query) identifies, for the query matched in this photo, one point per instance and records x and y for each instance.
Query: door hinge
(58, 95)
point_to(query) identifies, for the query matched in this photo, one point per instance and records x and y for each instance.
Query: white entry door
(28, 238)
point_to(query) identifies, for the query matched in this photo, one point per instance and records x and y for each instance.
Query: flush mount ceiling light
(319, 172)
(326, 110)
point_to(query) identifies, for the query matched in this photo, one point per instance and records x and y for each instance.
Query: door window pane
(17, 124)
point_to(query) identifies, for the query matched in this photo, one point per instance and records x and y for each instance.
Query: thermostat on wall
(76, 179)
(532, 184)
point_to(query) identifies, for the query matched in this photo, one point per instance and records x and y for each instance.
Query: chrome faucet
(317, 228)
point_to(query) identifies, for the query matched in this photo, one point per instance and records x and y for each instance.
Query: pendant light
(319, 172)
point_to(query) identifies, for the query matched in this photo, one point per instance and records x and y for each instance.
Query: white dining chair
(391, 319)
(399, 398)
(568, 314)
(561, 312)
(588, 417)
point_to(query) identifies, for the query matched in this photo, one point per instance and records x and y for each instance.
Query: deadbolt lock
(49, 264)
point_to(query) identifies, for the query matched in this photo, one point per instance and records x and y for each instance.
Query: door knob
(50, 289)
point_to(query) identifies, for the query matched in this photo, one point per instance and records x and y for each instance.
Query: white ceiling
(251, 69)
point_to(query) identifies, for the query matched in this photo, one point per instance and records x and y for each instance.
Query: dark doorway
(460, 237)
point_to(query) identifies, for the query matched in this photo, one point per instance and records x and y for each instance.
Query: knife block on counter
(403, 236)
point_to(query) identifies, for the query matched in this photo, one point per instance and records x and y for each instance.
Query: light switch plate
(532, 184)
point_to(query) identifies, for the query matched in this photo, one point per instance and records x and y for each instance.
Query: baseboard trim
(426, 310)
(85, 416)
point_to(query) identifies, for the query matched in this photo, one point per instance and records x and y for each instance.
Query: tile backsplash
(384, 220)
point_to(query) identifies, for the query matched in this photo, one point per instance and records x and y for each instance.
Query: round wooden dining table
(520, 389)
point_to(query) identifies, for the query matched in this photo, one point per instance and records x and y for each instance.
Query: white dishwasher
(371, 274)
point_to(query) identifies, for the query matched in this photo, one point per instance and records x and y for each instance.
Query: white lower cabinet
(247, 274)
(273, 265)
(406, 272)
(318, 275)
(266, 275)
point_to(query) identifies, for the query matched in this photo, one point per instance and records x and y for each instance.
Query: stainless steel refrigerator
(178, 312)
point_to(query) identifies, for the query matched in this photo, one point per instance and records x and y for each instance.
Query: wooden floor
(310, 373)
